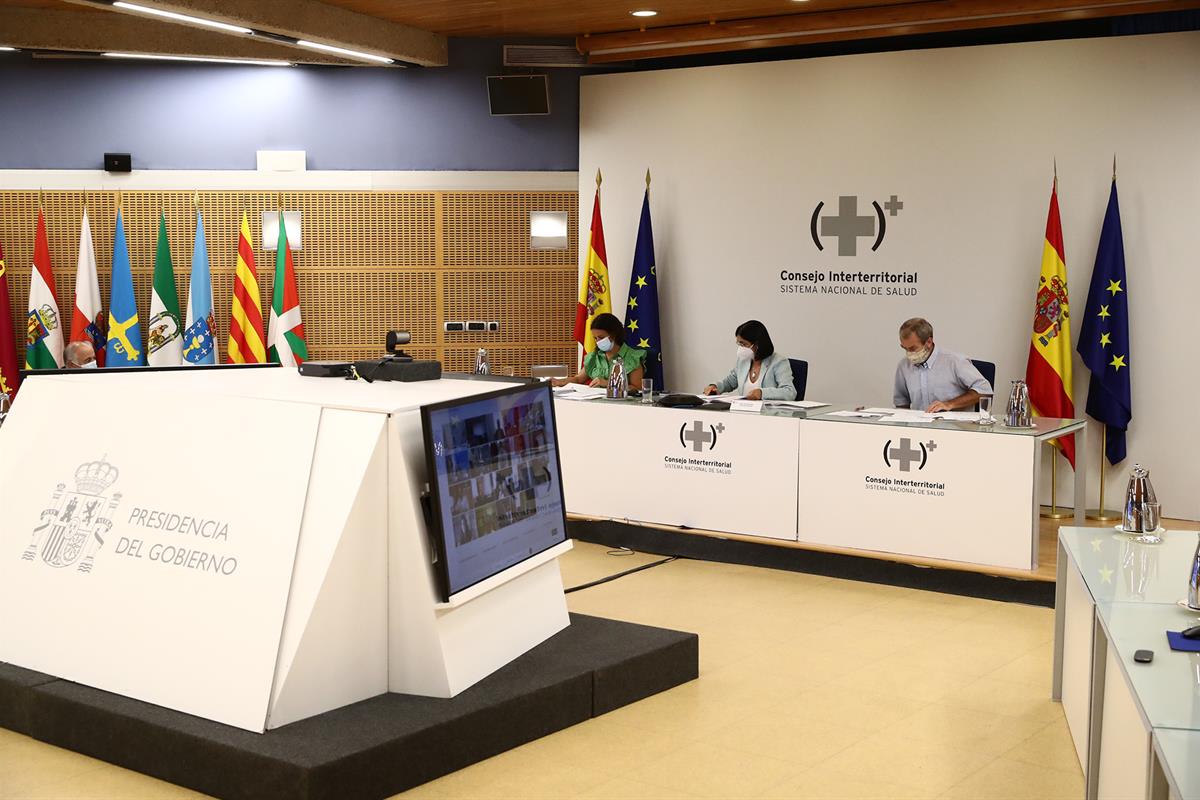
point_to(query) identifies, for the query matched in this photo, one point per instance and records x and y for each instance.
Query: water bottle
(1193, 597)
(618, 384)
(5, 403)
(1020, 412)
(481, 363)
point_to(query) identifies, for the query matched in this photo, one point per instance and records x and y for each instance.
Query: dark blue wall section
(66, 114)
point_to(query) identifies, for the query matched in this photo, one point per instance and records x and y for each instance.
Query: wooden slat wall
(372, 261)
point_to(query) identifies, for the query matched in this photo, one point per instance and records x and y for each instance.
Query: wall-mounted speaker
(118, 162)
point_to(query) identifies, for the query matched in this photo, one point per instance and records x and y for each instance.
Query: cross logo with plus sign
(848, 226)
(700, 435)
(905, 455)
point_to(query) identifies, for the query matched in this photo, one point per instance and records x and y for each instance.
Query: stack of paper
(577, 391)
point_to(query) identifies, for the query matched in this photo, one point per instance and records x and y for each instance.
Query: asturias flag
(1104, 335)
(594, 295)
(44, 335)
(200, 333)
(245, 313)
(10, 374)
(124, 331)
(285, 336)
(165, 343)
(641, 312)
(1048, 371)
(87, 323)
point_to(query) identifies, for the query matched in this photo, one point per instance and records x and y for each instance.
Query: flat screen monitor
(495, 481)
(515, 95)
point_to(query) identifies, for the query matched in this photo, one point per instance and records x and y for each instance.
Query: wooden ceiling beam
(310, 20)
(80, 31)
(897, 20)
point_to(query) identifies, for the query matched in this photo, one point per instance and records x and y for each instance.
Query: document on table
(959, 416)
(577, 391)
(728, 397)
(796, 403)
(908, 416)
(863, 413)
(753, 406)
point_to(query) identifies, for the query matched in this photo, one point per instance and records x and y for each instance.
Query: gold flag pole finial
(118, 201)
(196, 200)
(647, 178)
(1114, 166)
(599, 179)
(1056, 174)
(85, 201)
(41, 199)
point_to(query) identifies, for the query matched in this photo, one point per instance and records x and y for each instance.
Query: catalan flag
(285, 336)
(44, 335)
(1048, 371)
(10, 368)
(1104, 335)
(594, 295)
(245, 316)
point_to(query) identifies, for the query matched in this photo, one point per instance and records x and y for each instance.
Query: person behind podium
(933, 378)
(759, 372)
(80, 355)
(609, 334)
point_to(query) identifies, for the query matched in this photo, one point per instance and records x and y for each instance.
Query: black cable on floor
(619, 575)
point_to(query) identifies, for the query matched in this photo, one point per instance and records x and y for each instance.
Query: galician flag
(87, 324)
(165, 343)
(10, 368)
(594, 294)
(641, 313)
(124, 331)
(200, 333)
(44, 336)
(285, 337)
(245, 314)
(1048, 371)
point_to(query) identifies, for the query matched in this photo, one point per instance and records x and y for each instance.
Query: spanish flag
(1048, 373)
(594, 296)
(245, 316)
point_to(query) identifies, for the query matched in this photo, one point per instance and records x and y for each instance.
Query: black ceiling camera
(394, 341)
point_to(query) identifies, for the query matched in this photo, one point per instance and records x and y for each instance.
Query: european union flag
(1104, 335)
(124, 333)
(641, 310)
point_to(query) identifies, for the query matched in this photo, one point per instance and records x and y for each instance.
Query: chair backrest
(549, 370)
(988, 370)
(799, 376)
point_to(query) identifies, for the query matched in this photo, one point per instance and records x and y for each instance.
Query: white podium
(242, 545)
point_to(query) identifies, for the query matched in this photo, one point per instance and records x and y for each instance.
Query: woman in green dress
(609, 334)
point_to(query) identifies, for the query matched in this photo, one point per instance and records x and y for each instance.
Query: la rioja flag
(285, 334)
(44, 336)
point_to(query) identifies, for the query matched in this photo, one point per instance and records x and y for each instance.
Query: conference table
(816, 477)
(1135, 726)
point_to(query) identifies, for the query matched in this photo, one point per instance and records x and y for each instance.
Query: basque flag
(1104, 335)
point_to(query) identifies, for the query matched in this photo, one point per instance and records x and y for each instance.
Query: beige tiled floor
(810, 687)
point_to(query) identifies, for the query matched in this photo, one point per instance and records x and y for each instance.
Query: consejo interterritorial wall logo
(848, 226)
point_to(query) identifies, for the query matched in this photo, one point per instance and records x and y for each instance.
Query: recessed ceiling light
(342, 51)
(644, 13)
(208, 23)
(246, 61)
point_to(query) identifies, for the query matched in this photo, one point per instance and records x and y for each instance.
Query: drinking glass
(1150, 517)
(985, 410)
(647, 390)
(5, 403)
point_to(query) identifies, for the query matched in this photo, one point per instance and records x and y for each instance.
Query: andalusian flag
(44, 336)
(124, 330)
(200, 333)
(245, 315)
(165, 343)
(285, 337)
(1048, 372)
(10, 368)
(87, 323)
(594, 297)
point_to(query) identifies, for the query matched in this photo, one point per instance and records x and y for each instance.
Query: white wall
(967, 138)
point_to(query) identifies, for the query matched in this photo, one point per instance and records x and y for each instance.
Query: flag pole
(1053, 511)
(1101, 514)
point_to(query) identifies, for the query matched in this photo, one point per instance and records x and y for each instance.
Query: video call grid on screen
(497, 482)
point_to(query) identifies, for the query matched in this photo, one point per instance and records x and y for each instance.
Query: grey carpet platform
(371, 749)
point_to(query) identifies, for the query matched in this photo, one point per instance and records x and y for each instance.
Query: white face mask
(604, 345)
(89, 365)
(745, 353)
(918, 357)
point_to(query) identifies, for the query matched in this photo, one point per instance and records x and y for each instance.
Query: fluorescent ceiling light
(7, 49)
(341, 51)
(646, 13)
(202, 59)
(183, 18)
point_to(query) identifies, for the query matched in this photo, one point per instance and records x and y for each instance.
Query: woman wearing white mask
(609, 334)
(760, 373)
